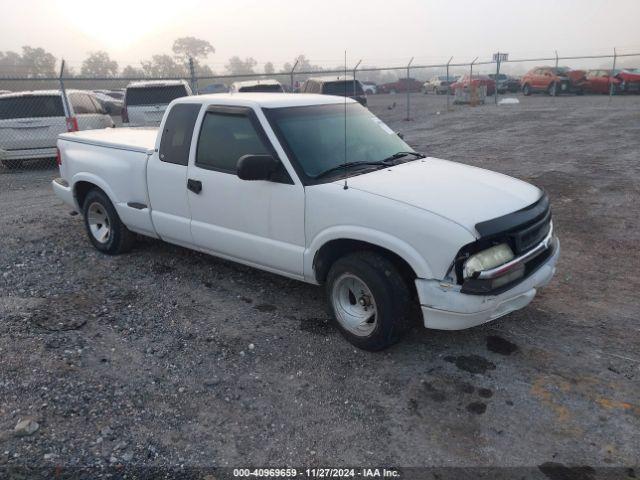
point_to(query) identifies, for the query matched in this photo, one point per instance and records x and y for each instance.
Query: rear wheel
(105, 229)
(370, 300)
(553, 89)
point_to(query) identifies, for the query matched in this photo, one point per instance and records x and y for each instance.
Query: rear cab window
(178, 132)
(31, 106)
(154, 95)
(342, 88)
(262, 88)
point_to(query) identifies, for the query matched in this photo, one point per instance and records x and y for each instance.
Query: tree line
(37, 63)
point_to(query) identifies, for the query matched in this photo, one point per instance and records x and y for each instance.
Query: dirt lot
(169, 358)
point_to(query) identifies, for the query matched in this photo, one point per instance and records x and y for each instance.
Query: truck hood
(460, 193)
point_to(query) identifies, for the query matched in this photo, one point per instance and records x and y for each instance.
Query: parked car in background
(553, 81)
(146, 101)
(111, 105)
(439, 85)
(502, 82)
(602, 81)
(370, 88)
(513, 84)
(214, 88)
(30, 122)
(630, 80)
(340, 86)
(467, 82)
(267, 85)
(411, 237)
(401, 85)
(117, 94)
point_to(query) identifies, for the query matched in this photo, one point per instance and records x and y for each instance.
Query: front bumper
(445, 307)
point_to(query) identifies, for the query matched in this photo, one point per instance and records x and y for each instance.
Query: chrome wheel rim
(99, 223)
(354, 305)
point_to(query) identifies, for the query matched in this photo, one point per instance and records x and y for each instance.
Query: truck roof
(265, 100)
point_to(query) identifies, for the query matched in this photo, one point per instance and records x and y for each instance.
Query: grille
(530, 236)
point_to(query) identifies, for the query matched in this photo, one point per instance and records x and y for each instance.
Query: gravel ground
(167, 358)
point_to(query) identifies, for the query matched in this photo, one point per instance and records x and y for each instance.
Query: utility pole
(409, 90)
(194, 80)
(291, 73)
(354, 76)
(613, 72)
(448, 84)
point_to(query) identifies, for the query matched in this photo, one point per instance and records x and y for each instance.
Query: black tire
(12, 164)
(391, 295)
(120, 239)
(553, 89)
(526, 90)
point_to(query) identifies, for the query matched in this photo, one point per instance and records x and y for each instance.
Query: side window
(178, 132)
(82, 104)
(96, 105)
(224, 138)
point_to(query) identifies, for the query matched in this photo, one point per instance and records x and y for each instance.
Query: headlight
(487, 259)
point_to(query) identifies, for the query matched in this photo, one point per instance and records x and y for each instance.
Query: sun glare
(119, 24)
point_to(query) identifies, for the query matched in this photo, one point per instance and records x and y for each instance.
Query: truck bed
(133, 139)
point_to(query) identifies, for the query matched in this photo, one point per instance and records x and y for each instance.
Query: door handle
(194, 185)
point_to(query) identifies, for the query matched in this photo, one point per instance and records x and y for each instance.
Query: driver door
(259, 223)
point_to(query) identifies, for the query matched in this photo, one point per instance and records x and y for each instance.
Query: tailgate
(146, 115)
(31, 133)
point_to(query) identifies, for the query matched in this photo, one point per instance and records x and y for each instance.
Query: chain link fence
(34, 111)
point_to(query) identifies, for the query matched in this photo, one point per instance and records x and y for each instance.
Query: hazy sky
(382, 32)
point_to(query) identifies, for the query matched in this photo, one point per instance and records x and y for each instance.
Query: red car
(477, 81)
(630, 79)
(403, 85)
(600, 81)
(553, 81)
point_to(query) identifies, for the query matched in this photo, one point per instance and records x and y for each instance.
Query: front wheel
(526, 90)
(105, 229)
(370, 300)
(553, 89)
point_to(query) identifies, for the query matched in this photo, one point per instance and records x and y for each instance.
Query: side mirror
(400, 134)
(256, 167)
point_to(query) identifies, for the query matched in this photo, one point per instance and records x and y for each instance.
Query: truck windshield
(31, 107)
(315, 137)
(161, 95)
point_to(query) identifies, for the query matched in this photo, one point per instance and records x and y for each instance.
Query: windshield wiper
(344, 166)
(399, 155)
(385, 162)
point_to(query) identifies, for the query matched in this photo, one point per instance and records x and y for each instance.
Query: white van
(31, 121)
(145, 102)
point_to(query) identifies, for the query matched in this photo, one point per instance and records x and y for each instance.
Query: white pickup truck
(316, 188)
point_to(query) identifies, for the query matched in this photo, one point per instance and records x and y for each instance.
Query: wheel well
(81, 189)
(335, 249)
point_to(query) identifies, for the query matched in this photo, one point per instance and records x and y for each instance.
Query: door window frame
(248, 112)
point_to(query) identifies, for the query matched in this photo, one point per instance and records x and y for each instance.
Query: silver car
(30, 122)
